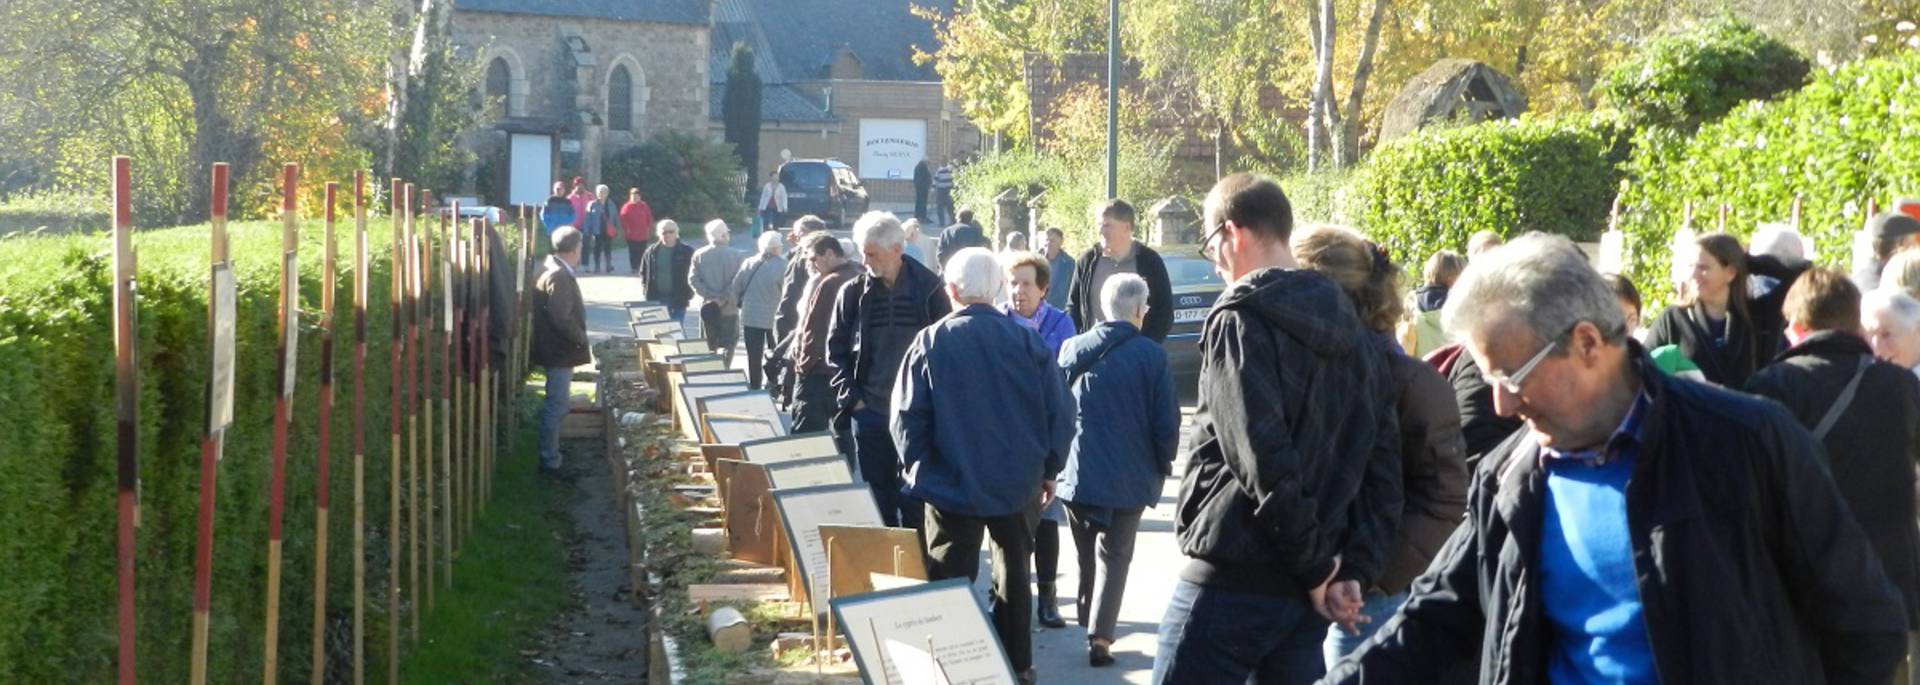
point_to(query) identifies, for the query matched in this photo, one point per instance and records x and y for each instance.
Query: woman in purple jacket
(1028, 276)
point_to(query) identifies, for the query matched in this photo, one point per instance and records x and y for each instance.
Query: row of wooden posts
(454, 336)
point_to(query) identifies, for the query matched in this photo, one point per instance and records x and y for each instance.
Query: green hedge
(1074, 184)
(1843, 139)
(56, 212)
(57, 464)
(1684, 79)
(1432, 190)
(684, 177)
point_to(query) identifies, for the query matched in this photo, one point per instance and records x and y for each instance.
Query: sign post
(220, 330)
(127, 381)
(289, 330)
(409, 279)
(396, 395)
(323, 470)
(423, 308)
(359, 427)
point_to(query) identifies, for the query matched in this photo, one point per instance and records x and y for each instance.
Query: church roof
(778, 102)
(657, 11)
(795, 40)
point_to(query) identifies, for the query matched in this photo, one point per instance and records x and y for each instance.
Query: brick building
(578, 81)
(840, 82)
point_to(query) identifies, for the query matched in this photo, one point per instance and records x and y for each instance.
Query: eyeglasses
(1512, 383)
(1207, 250)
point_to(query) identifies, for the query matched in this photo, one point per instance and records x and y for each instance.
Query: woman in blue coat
(1128, 430)
(1028, 280)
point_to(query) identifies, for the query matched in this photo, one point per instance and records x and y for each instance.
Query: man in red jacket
(637, 218)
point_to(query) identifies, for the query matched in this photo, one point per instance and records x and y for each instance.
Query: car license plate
(1189, 315)
(792, 194)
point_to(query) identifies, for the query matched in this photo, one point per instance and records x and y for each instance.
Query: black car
(824, 188)
(1195, 288)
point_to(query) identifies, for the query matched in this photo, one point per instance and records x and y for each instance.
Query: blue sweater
(1129, 418)
(1000, 424)
(1590, 596)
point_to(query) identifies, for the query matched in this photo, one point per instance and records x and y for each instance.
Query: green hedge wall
(1432, 190)
(1684, 79)
(57, 462)
(1843, 139)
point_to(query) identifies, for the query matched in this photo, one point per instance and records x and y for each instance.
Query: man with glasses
(1292, 491)
(814, 403)
(1119, 253)
(1640, 529)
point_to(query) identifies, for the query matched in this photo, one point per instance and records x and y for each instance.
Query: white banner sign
(889, 148)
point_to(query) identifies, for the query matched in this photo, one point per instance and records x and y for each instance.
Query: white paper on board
(220, 402)
(291, 324)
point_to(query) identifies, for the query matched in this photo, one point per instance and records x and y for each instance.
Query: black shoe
(1029, 677)
(1046, 612)
(1099, 655)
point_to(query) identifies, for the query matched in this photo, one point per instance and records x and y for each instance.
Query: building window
(499, 85)
(620, 99)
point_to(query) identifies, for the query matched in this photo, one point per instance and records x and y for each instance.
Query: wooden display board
(690, 395)
(809, 472)
(789, 447)
(802, 512)
(751, 521)
(861, 552)
(932, 633)
(754, 403)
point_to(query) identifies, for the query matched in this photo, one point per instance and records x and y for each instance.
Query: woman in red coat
(637, 218)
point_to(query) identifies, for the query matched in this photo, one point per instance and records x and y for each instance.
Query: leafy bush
(683, 176)
(1328, 197)
(56, 212)
(1836, 143)
(1695, 76)
(1434, 189)
(58, 463)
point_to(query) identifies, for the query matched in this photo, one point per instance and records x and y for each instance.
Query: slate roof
(794, 40)
(658, 11)
(778, 102)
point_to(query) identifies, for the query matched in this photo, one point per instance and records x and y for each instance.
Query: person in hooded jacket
(1292, 493)
(1865, 412)
(1128, 429)
(1432, 454)
(559, 209)
(1714, 325)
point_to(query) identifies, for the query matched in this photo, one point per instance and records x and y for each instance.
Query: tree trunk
(1348, 152)
(215, 138)
(1320, 105)
(399, 68)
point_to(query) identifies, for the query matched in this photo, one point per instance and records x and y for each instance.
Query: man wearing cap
(1891, 232)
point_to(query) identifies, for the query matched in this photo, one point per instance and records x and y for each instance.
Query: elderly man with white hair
(1891, 320)
(714, 267)
(874, 320)
(978, 478)
(1641, 528)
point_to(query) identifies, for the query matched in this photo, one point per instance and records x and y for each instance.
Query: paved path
(1060, 655)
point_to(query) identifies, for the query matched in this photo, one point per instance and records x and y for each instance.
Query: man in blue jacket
(875, 317)
(976, 478)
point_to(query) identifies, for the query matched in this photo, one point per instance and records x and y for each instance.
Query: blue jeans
(880, 468)
(1378, 608)
(1217, 636)
(559, 396)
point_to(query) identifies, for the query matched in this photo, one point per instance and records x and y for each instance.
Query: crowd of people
(1495, 475)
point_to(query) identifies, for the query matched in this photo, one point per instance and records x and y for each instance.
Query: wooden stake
(423, 286)
(1798, 206)
(1686, 223)
(483, 362)
(1725, 209)
(457, 379)
(323, 471)
(396, 395)
(289, 331)
(450, 388)
(127, 382)
(213, 441)
(359, 427)
(408, 279)
(438, 316)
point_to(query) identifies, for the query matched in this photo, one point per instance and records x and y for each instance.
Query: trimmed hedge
(1434, 189)
(1074, 184)
(1838, 142)
(1685, 79)
(57, 213)
(57, 464)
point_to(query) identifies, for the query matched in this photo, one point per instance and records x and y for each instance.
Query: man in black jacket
(559, 337)
(1293, 491)
(1119, 253)
(663, 271)
(874, 322)
(793, 284)
(1643, 528)
(1865, 412)
(922, 184)
(962, 235)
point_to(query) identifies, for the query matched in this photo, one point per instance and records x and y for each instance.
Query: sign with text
(789, 448)
(803, 511)
(889, 148)
(932, 633)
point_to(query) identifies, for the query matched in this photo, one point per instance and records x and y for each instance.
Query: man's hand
(1318, 595)
(1046, 493)
(1344, 601)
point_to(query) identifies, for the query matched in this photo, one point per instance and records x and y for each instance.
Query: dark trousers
(1105, 551)
(603, 251)
(953, 550)
(769, 221)
(634, 253)
(920, 204)
(1211, 635)
(880, 468)
(758, 340)
(720, 328)
(813, 402)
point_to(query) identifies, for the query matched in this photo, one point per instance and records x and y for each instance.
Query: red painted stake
(359, 427)
(213, 442)
(289, 342)
(322, 470)
(127, 380)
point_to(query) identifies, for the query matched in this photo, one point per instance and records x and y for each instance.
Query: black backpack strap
(1845, 400)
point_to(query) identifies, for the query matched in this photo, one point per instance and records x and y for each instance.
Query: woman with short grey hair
(1891, 319)
(1128, 427)
(757, 289)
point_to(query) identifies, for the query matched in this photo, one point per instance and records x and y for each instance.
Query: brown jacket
(816, 313)
(559, 318)
(1433, 465)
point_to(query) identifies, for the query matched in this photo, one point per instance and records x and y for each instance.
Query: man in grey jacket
(711, 277)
